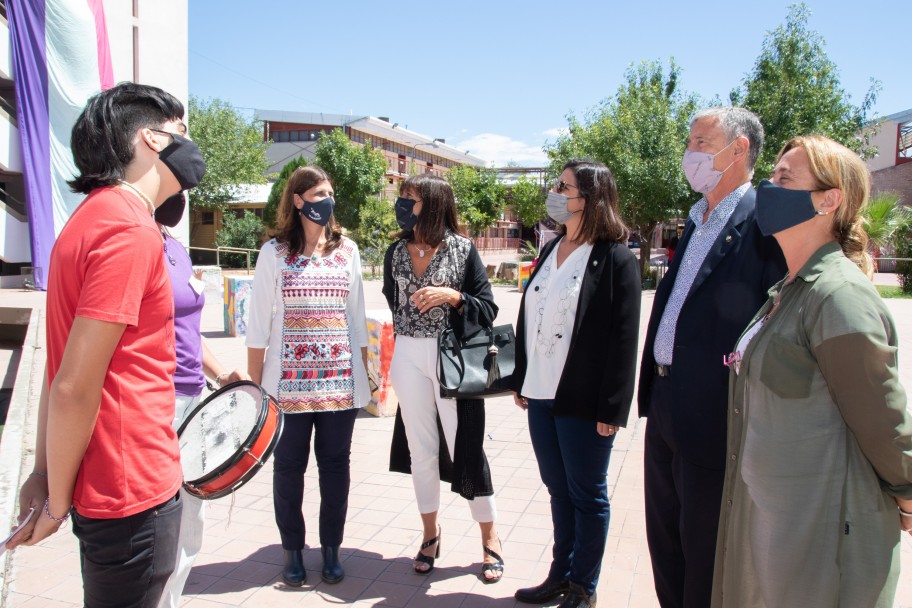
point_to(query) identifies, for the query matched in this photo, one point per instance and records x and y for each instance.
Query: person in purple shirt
(194, 362)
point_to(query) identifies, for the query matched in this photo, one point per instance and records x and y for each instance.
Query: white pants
(193, 519)
(413, 372)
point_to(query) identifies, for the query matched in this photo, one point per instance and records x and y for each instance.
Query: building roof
(379, 127)
(251, 193)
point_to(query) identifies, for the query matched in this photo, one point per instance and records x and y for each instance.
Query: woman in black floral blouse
(433, 278)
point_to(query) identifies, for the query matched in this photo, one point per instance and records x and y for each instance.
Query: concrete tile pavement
(241, 559)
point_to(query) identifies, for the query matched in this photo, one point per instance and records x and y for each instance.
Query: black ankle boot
(294, 574)
(332, 569)
(577, 598)
(543, 593)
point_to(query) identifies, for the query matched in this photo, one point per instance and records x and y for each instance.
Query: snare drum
(227, 438)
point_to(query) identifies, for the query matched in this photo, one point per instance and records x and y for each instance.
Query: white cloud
(501, 149)
(554, 133)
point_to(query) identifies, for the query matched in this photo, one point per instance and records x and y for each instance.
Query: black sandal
(495, 567)
(427, 559)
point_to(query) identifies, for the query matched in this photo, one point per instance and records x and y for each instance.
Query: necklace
(141, 195)
(422, 252)
(170, 257)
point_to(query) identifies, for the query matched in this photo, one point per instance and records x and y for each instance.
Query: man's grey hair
(736, 122)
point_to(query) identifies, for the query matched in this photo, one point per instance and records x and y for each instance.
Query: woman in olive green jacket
(819, 478)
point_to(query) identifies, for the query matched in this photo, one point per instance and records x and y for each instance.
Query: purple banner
(29, 58)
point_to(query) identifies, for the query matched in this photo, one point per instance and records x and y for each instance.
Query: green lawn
(892, 291)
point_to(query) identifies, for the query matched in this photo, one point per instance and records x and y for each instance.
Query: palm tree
(886, 220)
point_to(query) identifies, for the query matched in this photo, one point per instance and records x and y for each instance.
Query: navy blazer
(728, 290)
(598, 377)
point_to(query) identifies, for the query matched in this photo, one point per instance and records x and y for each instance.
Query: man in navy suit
(717, 281)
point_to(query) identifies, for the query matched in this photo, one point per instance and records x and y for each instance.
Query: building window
(208, 218)
(402, 165)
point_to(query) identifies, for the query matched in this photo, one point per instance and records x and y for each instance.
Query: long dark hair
(103, 135)
(289, 229)
(601, 219)
(438, 208)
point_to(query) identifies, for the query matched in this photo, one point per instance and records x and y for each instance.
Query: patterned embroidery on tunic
(316, 357)
(446, 269)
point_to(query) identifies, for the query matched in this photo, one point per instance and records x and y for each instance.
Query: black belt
(662, 371)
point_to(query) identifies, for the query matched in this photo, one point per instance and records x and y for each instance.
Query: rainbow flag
(61, 57)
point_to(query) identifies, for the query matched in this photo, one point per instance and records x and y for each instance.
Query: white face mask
(699, 170)
(556, 204)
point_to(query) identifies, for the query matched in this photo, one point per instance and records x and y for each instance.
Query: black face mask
(779, 208)
(185, 161)
(318, 212)
(171, 211)
(404, 216)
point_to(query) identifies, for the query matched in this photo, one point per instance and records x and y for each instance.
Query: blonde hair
(835, 166)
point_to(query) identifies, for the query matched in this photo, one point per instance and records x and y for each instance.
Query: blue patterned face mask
(318, 212)
(404, 215)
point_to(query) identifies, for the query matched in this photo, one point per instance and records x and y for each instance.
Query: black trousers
(126, 561)
(683, 502)
(332, 432)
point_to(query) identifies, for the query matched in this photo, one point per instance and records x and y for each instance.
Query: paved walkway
(240, 564)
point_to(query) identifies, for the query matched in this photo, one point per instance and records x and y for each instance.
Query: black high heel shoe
(426, 559)
(497, 566)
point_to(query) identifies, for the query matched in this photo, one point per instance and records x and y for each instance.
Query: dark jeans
(127, 561)
(332, 446)
(682, 510)
(573, 462)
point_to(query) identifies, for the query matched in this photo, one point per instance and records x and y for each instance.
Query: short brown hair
(601, 219)
(289, 229)
(438, 208)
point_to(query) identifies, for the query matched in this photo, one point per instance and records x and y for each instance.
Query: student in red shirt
(106, 452)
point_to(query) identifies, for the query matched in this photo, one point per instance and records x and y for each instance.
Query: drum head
(214, 435)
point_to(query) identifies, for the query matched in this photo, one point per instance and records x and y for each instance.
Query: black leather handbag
(480, 366)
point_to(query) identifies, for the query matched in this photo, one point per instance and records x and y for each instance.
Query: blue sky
(499, 77)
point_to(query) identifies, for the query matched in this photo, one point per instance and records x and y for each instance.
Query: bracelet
(903, 513)
(38, 474)
(59, 520)
(218, 378)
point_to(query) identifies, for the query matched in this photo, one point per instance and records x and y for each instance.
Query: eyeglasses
(560, 185)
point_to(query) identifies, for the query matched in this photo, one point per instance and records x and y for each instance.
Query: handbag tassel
(493, 368)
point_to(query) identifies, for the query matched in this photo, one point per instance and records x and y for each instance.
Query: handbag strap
(442, 344)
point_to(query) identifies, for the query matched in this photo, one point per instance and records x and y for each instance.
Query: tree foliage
(239, 231)
(528, 200)
(275, 194)
(479, 196)
(356, 170)
(794, 88)
(886, 219)
(640, 134)
(374, 234)
(233, 147)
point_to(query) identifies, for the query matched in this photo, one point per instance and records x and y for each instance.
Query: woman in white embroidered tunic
(307, 346)
(819, 439)
(433, 278)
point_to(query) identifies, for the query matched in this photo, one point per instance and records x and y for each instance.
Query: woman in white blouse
(306, 329)
(576, 342)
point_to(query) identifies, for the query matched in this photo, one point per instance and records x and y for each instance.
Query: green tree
(886, 222)
(794, 88)
(479, 196)
(357, 172)
(640, 133)
(275, 195)
(239, 231)
(374, 234)
(233, 147)
(528, 200)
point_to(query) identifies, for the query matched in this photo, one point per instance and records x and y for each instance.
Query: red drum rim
(217, 483)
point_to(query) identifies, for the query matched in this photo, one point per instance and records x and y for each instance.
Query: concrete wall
(885, 140)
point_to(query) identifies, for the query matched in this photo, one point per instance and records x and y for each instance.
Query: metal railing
(888, 264)
(219, 250)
